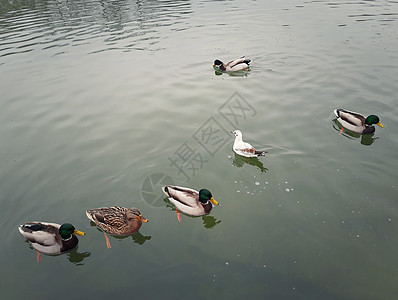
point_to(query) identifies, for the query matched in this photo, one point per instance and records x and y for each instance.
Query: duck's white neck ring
(65, 240)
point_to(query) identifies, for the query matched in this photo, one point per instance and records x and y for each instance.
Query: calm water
(103, 102)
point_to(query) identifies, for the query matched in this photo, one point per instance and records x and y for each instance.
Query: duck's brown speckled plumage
(117, 220)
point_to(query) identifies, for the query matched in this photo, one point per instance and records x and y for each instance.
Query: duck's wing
(43, 236)
(237, 65)
(235, 62)
(104, 217)
(350, 117)
(183, 195)
(41, 233)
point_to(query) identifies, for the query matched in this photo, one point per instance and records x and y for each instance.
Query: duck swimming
(244, 149)
(356, 122)
(233, 65)
(116, 220)
(50, 238)
(189, 201)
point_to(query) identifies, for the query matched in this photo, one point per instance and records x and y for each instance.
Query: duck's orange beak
(381, 125)
(145, 220)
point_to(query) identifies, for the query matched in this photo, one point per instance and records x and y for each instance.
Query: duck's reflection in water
(242, 73)
(208, 221)
(366, 139)
(76, 257)
(73, 255)
(137, 237)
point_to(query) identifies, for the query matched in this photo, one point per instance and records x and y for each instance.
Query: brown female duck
(116, 220)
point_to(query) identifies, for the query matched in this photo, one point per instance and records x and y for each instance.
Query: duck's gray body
(353, 121)
(186, 200)
(234, 65)
(45, 237)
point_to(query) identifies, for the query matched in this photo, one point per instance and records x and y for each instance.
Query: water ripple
(48, 26)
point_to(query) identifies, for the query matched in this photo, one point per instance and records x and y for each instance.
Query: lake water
(103, 102)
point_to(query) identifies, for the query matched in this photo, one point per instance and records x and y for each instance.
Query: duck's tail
(90, 214)
(336, 112)
(165, 190)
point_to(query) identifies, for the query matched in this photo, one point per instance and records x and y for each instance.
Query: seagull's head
(237, 133)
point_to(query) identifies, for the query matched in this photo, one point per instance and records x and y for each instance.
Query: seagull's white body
(244, 149)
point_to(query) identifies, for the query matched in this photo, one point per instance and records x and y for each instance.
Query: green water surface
(103, 102)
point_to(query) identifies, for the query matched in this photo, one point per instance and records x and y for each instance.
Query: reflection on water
(46, 25)
(137, 237)
(239, 161)
(208, 221)
(366, 139)
(241, 73)
(77, 257)
(73, 255)
(171, 206)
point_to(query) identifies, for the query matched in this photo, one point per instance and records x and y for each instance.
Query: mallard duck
(116, 220)
(234, 65)
(189, 201)
(50, 238)
(356, 122)
(244, 149)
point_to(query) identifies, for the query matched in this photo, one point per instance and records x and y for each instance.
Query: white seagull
(244, 149)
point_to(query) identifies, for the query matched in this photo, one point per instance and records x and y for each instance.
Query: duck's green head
(217, 62)
(66, 230)
(372, 119)
(205, 196)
